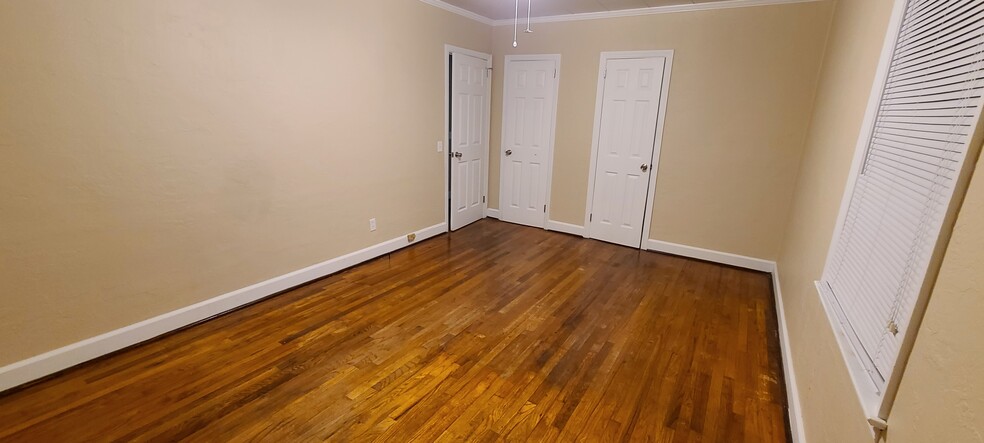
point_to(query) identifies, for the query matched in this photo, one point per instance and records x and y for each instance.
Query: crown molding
(691, 7)
(727, 4)
(460, 11)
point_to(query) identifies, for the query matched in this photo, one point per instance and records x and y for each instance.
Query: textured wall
(831, 410)
(940, 399)
(156, 154)
(942, 393)
(739, 104)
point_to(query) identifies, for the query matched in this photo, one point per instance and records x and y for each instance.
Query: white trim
(876, 406)
(492, 213)
(726, 258)
(460, 11)
(867, 393)
(792, 389)
(671, 9)
(664, 98)
(555, 58)
(729, 4)
(448, 50)
(657, 142)
(487, 130)
(567, 228)
(39, 366)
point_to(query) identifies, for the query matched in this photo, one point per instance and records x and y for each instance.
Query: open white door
(468, 153)
(529, 111)
(625, 142)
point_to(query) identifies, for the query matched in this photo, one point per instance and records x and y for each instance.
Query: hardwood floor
(494, 332)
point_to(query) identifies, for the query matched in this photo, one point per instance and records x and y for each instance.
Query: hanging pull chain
(516, 27)
(529, 17)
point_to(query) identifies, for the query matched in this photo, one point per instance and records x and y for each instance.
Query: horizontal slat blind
(924, 122)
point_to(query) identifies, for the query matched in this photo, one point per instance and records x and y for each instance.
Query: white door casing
(468, 150)
(628, 126)
(529, 116)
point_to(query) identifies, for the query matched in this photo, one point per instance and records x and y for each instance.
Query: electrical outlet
(440, 146)
(411, 238)
(372, 224)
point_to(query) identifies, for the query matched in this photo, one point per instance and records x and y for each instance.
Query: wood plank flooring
(495, 332)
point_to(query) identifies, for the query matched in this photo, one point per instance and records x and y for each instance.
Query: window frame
(877, 403)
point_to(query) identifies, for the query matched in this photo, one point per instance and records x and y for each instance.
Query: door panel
(469, 123)
(529, 106)
(630, 105)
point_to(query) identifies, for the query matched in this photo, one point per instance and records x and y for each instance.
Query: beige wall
(941, 398)
(739, 103)
(157, 154)
(831, 410)
(942, 393)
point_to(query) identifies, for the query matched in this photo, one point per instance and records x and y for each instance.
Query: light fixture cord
(529, 16)
(516, 27)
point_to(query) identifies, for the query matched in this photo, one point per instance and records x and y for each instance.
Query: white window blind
(926, 116)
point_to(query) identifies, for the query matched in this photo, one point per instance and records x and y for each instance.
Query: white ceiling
(506, 9)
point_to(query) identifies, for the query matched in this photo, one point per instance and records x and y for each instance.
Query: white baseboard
(566, 228)
(551, 225)
(755, 264)
(792, 390)
(51, 362)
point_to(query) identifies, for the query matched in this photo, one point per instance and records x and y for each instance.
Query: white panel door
(529, 106)
(469, 120)
(630, 105)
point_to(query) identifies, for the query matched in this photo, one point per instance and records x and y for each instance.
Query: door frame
(658, 141)
(555, 58)
(448, 49)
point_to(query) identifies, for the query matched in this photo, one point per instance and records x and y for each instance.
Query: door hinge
(544, 208)
(483, 199)
(590, 218)
(604, 74)
(488, 72)
(555, 73)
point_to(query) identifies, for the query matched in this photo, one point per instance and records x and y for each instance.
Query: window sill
(869, 396)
